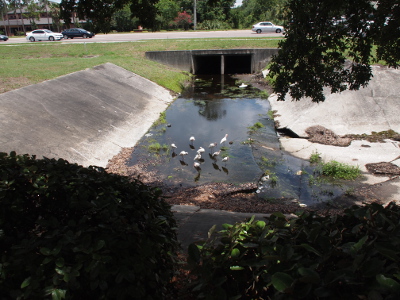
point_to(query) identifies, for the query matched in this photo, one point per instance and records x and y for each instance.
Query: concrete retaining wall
(186, 60)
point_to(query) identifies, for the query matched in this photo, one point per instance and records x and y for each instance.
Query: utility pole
(194, 16)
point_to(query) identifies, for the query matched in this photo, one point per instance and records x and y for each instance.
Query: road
(129, 37)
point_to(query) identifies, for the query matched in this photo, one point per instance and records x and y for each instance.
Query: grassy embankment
(30, 63)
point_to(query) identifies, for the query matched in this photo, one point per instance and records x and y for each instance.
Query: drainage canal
(213, 106)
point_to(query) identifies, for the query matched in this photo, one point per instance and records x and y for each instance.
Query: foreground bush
(81, 233)
(351, 256)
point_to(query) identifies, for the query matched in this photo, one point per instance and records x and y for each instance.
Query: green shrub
(338, 170)
(81, 233)
(351, 256)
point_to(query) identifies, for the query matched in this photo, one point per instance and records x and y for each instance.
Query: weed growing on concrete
(315, 157)
(338, 170)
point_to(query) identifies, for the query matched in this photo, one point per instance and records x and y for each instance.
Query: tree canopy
(332, 43)
(99, 12)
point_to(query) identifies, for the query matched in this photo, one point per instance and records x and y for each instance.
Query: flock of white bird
(201, 150)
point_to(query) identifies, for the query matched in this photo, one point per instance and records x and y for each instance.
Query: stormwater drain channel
(208, 110)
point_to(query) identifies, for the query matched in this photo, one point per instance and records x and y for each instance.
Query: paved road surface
(129, 37)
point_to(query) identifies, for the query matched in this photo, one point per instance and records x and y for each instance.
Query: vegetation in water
(271, 114)
(156, 147)
(161, 120)
(256, 126)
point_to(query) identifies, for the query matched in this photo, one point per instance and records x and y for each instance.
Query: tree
(32, 12)
(99, 12)
(331, 44)
(123, 21)
(55, 15)
(183, 19)
(44, 6)
(3, 13)
(168, 10)
(146, 11)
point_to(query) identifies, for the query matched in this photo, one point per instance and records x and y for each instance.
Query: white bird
(183, 153)
(192, 139)
(201, 150)
(197, 157)
(212, 145)
(173, 146)
(225, 159)
(224, 139)
(196, 165)
(216, 153)
(243, 85)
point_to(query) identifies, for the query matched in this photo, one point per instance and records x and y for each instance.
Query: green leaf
(309, 275)
(261, 224)
(26, 282)
(356, 247)
(100, 244)
(310, 249)
(388, 283)
(236, 268)
(282, 281)
(235, 252)
(60, 262)
(211, 231)
(58, 294)
(392, 254)
(60, 271)
(45, 251)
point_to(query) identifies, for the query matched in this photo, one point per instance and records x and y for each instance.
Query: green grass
(25, 64)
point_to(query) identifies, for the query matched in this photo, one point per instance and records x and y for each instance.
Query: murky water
(213, 107)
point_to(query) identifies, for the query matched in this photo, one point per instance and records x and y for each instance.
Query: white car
(43, 35)
(267, 27)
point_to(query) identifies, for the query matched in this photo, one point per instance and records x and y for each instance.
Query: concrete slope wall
(84, 117)
(373, 108)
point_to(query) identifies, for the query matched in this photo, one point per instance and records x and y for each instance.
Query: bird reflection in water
(216, 167)
(196, 165)
(225, 170)
(183, 163)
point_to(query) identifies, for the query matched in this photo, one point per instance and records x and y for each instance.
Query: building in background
(27, 18)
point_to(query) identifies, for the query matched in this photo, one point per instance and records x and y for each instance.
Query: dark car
(3, 37)
(77, 32)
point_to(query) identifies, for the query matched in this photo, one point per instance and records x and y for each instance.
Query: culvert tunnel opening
(222, 64)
